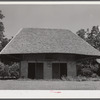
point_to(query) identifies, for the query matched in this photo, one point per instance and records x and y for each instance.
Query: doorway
(59, 70)
(55, 71)
(35, 70)
(63, 69)
(31, 70)
(39, 71)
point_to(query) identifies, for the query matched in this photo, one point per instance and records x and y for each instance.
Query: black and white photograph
(50, 47)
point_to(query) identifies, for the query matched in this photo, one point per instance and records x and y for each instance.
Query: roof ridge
(46, 28)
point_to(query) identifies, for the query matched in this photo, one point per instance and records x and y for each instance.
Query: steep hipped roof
(38, 40)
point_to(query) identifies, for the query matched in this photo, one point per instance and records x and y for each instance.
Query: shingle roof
(38, 40)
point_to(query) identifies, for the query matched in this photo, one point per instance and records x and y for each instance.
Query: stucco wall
(24, 69)
(47, 69)
(71, 68)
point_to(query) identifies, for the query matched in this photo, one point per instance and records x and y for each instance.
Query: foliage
(6, 70)
(2, 66)
(93, 38)
(1, 15)
(80, 78)
(3, 39)
(87, 68)
(81, 33)
(9, 71)
(86, 72)
(4, 42)
(14, 70)
(94, 75)
(1, 26)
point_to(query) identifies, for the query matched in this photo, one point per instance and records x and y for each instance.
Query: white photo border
(42, 94)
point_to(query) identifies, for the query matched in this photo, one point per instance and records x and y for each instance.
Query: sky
(71, 17)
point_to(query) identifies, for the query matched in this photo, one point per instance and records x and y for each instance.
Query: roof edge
(52, 53)
(11, 40)
(87, 43)
(47, 28)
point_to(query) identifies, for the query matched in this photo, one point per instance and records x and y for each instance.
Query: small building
(47, 53)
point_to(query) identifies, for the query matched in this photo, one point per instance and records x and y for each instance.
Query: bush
(81, 78)
(86, 72)
(94, 68)
(65, 78)
(6, 71)
(2, 66)
(14, 70)
(88, 67)
(94, 75)
(78, 78)
(9, 71)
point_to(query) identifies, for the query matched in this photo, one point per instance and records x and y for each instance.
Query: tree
(1, 26)
(93, 38)
(81, 33)
(3, 39)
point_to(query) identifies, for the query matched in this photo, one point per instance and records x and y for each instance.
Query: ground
(48, 85)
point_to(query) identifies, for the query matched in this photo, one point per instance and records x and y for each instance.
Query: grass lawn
(48, 85)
